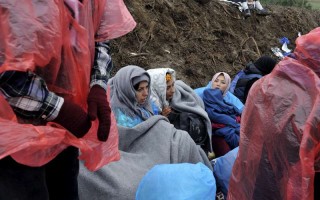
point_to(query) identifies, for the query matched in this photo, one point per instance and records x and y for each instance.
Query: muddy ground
(198, 40)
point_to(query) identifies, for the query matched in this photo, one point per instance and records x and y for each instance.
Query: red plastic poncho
(43, 36)
(279, 150)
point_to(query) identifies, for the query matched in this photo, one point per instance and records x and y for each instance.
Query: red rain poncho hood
(43, 37)
(279, 140)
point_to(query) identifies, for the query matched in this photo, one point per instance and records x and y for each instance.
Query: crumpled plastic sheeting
(40, 37)
(36, 145)
(30, 38)
(44, 37)
(110, 22)
(279, 149)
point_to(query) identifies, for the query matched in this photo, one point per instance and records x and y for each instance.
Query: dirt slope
(198, 40)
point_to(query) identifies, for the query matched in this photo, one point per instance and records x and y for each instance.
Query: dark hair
(136, 86)
(265, 64)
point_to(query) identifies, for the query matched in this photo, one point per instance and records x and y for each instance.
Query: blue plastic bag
(177, 181)
(222, 169)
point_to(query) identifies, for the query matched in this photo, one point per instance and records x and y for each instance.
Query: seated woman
(184, 109)
(145, 140)
(131, 105)
(225, 117)
(227, 96)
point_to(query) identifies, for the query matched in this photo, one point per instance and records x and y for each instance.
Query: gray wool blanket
(186, 100)
(154, 141)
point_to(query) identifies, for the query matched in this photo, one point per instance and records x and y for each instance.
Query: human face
(170, 90)
(220, 83)
(142, 92)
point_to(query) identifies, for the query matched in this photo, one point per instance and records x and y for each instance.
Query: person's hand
(98, 107)
(166, 111)
(73, 118)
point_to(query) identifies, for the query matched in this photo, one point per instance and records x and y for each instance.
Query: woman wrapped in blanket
(225, 117)
(145, 140)
(181, 105)
(131, 105)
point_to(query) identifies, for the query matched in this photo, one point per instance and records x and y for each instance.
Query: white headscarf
(227, 79)
(159, 85)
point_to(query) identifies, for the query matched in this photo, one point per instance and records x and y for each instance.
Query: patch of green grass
(315, 4)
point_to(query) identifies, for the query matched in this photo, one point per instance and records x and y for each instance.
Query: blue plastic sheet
(222, 169)
(177, 181)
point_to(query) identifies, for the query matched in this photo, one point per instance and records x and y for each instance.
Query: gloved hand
(98, 106)
(73, 118)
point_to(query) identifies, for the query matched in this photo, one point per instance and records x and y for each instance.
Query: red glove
(98, 106)
(73, 118)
